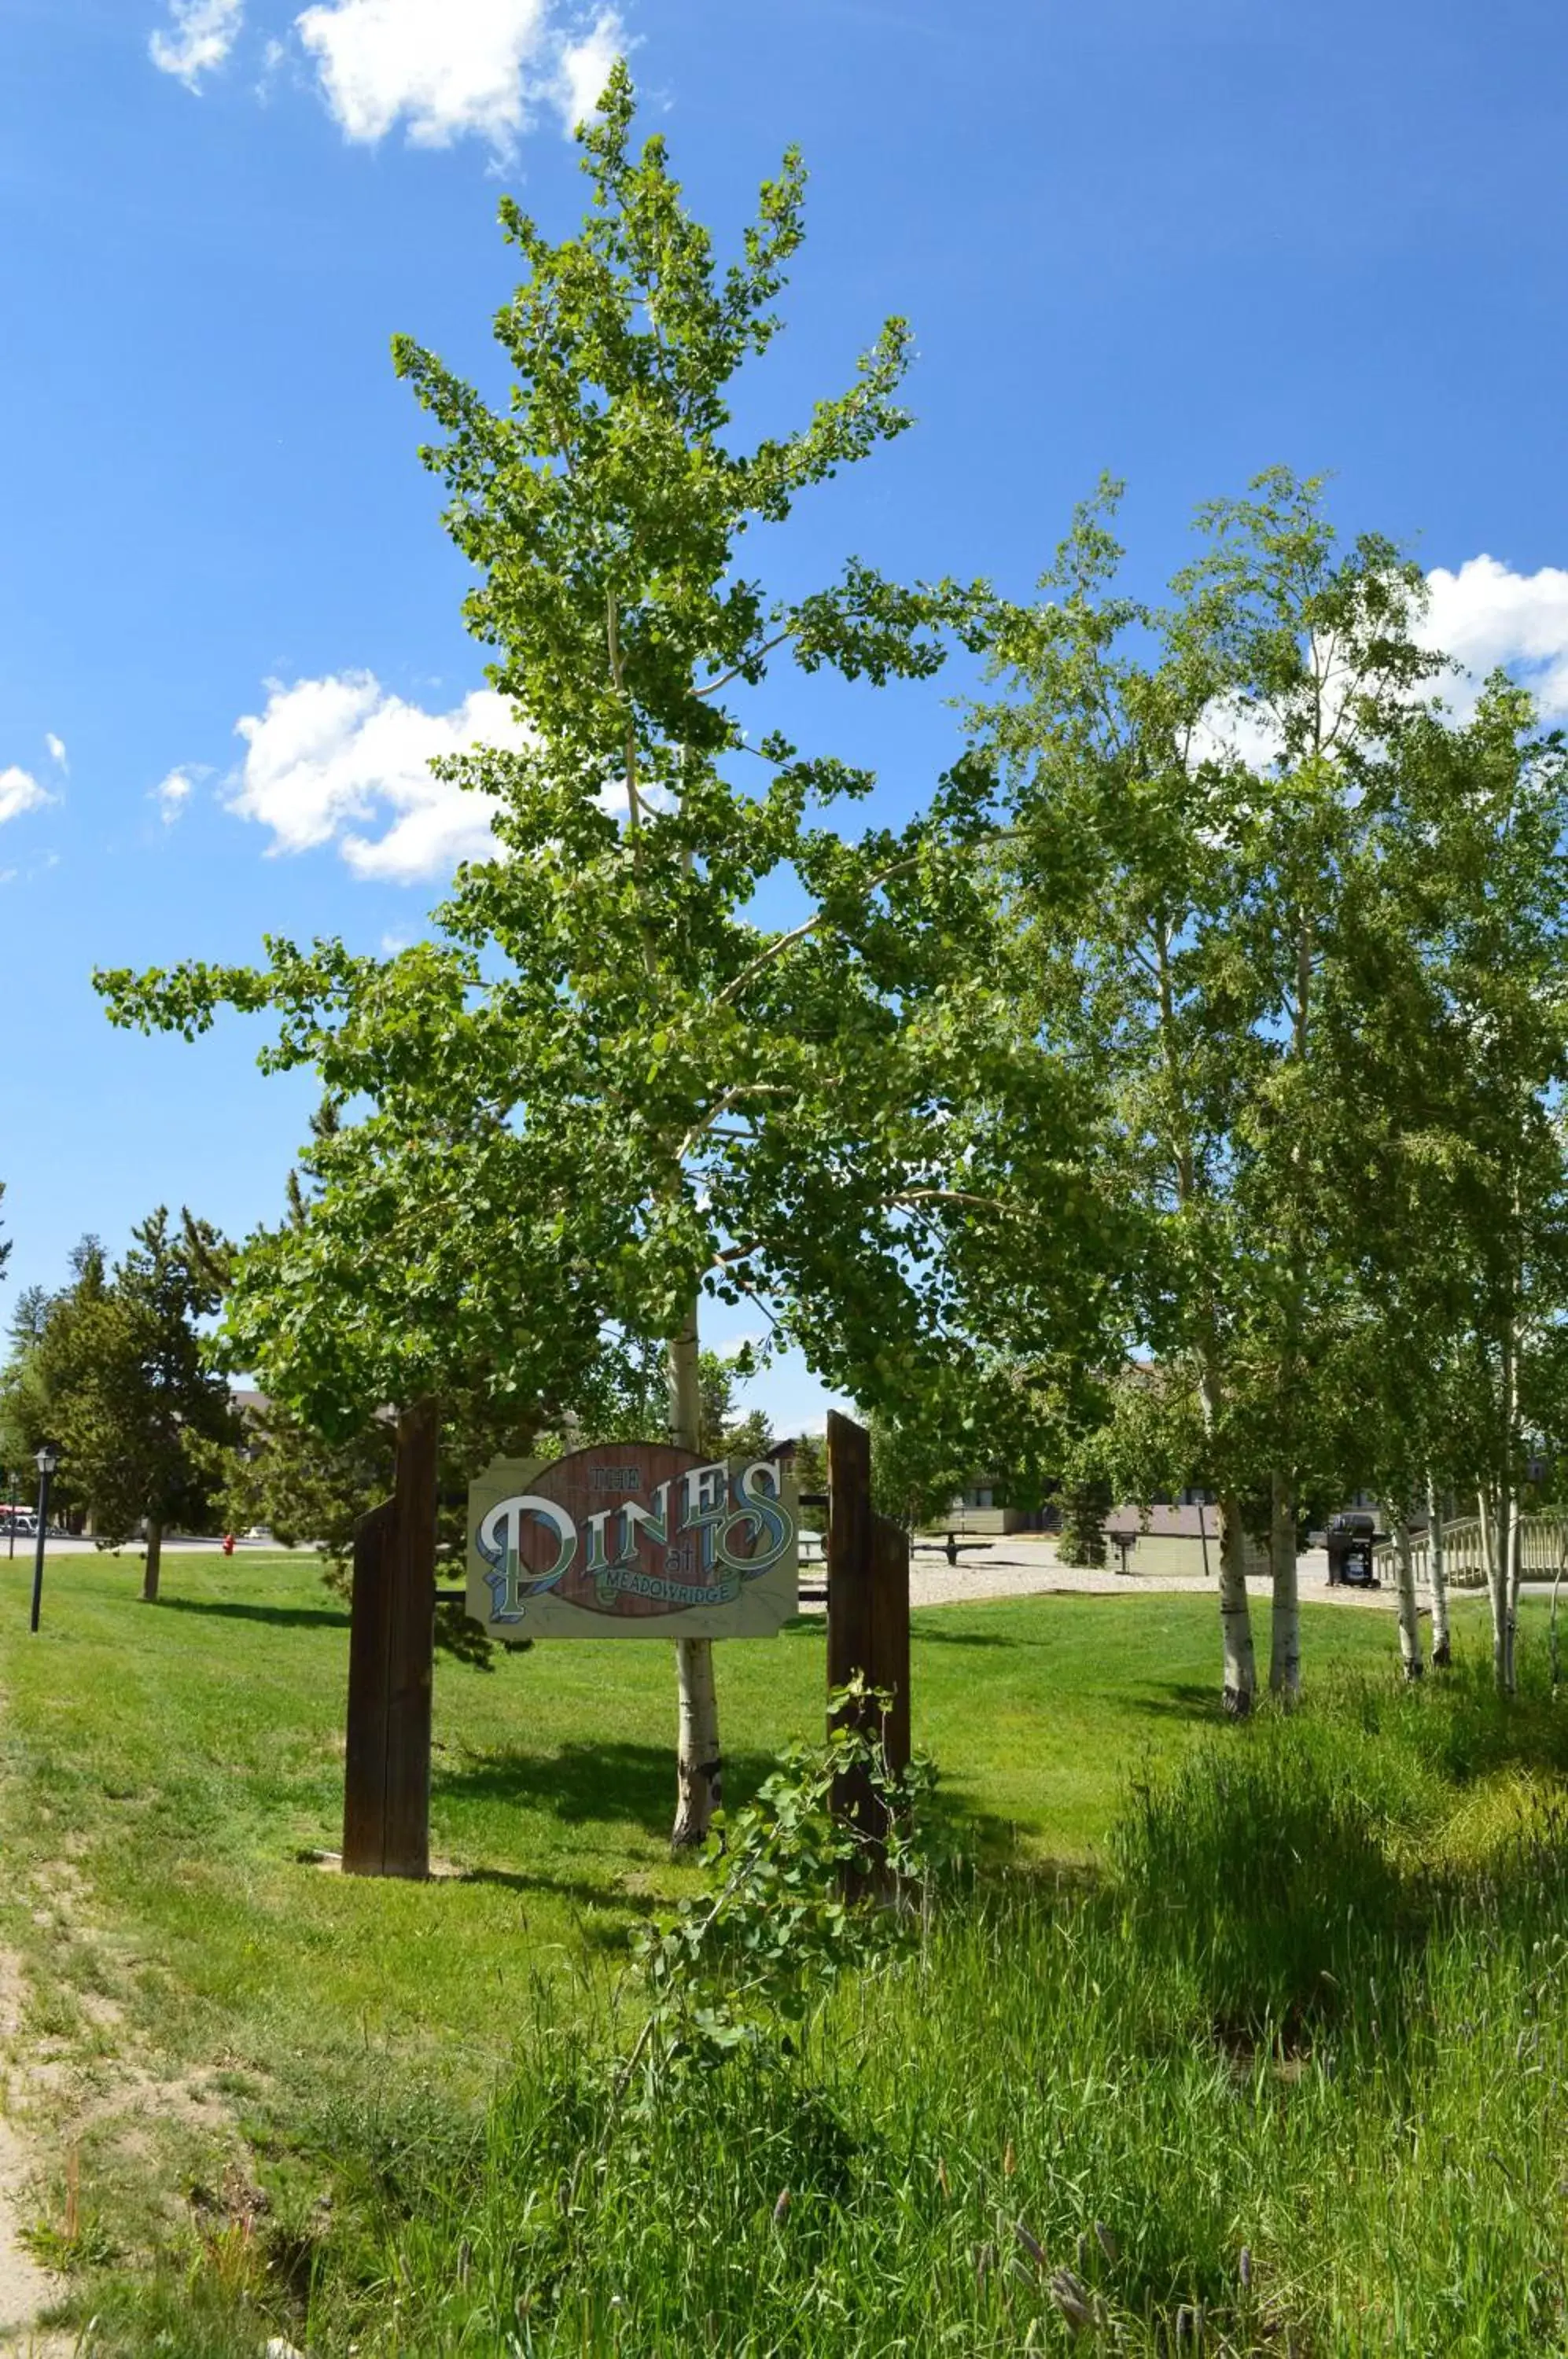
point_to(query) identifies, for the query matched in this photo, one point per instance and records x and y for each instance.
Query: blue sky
(1180, 243)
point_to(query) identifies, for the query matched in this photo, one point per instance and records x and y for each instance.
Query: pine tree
(139, 1406)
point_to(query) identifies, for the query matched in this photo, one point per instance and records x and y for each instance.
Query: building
(984, 1508)
(1172, 1541)
(1168, 1540)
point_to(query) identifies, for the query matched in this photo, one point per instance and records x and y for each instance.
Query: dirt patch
(78, 2087)
(26, 2289)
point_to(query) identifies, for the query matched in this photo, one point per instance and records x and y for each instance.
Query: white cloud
(331, 757)
(754, 1340)
(19, 792)
(1486, 616)
(202, 34)
(585, 68)
(172, 794)
(1231, 731)
(450, 68)
(56, 747)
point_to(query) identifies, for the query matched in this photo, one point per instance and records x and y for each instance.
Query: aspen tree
(1185, 790)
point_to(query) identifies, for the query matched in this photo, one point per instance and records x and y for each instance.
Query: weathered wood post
(890, 1634)
(868, 1610)
(391, 1656)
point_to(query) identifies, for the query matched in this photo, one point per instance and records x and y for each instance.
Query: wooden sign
(632, 1539)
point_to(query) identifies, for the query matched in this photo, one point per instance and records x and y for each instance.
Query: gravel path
(1024, 1565)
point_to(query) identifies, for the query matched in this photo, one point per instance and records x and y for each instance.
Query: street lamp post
(48, 1459)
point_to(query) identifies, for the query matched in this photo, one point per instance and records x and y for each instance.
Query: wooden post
(387, 1771)
(890, 1634)
(868, 1607)
(365, 1758)
(848, 1550)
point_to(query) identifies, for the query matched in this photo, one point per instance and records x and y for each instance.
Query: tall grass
(1288, 2078)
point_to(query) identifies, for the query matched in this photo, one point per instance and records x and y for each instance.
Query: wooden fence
(1543, 1545)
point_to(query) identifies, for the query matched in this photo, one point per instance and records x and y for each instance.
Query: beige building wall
(1169, 1556)
(981, 1523)
(1160, 1556)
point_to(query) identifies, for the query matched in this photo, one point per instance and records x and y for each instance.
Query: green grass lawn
(169, 1776)
(186, 1759)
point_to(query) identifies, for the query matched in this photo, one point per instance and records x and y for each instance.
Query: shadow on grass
(929, 1634)
(1183, 1700)
(580, 1781)
(608, 1893)
(286, 1618)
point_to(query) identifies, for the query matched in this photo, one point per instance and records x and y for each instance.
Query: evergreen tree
(138, 1408)
(724, 1432)
(1084, 1506)
(50, 1350)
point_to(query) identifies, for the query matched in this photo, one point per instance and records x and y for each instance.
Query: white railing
(1543, 1545)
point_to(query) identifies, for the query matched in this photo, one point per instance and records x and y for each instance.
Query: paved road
(27, 1548)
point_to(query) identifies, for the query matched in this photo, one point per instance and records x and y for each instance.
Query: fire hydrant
(228, 1543)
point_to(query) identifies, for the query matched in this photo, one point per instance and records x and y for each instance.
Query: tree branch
(613, 633)
(737, 671)
(798, 933)
(722, 1105)
(942, 1195)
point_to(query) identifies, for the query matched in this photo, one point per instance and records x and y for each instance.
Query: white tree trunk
(1285, 1639)
(698, 1764)
(1507, 1537)
(1498, 1539)
(1513, 1561)
(1437, 1575)
(1409, 1608)
(699, 1768)
(1236, 1621)
(1496, 1596)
